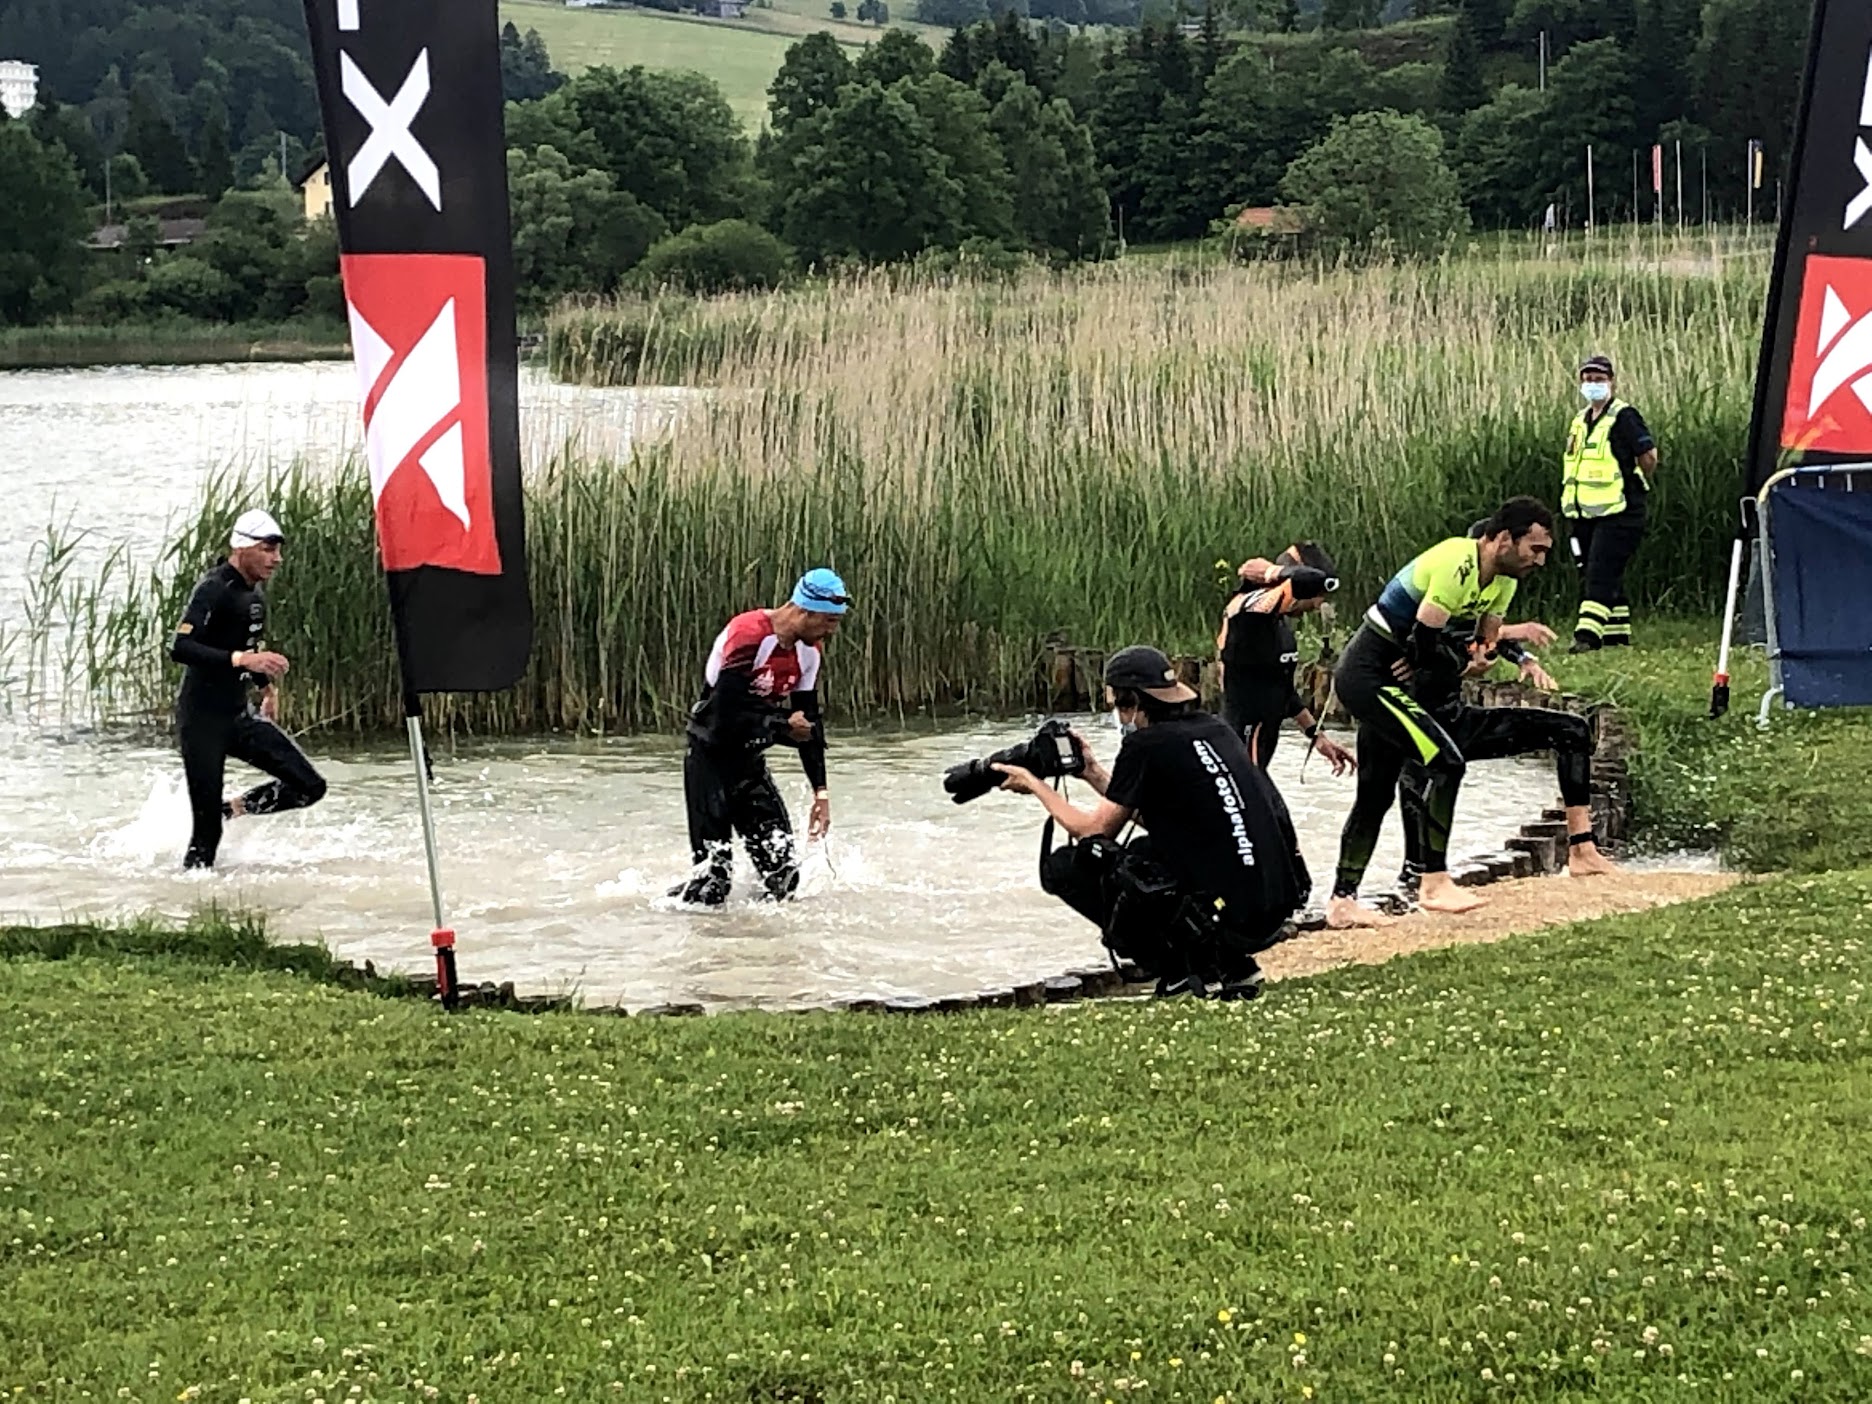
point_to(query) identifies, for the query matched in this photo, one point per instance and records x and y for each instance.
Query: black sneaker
(1172, 986)
(1242, 987)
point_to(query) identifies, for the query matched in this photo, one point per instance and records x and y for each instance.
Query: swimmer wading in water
(221, 644)
(759, 689)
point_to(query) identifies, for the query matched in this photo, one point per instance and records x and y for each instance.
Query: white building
(19, 87)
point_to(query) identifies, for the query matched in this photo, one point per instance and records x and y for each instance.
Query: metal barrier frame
(1847, 473)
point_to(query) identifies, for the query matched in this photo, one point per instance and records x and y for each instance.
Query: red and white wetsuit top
(775, 672)
(750, 679)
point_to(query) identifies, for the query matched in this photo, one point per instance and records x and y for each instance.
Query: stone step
(1544, 850)
(1061, 988)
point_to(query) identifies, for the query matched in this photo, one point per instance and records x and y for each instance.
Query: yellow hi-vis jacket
(1593, 484)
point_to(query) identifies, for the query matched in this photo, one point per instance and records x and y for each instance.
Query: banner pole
(441, 937)
(1719, 685)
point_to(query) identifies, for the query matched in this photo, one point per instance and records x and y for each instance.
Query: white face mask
(1125, 728)
(1596, 391)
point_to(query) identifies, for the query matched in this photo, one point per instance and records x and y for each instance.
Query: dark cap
(1144, 669)
(1602, 364)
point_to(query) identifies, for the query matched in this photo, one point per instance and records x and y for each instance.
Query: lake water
(554, 856)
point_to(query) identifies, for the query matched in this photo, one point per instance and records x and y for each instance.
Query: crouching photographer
(1218, 871)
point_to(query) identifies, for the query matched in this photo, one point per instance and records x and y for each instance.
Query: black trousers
(1394, 731)
(208, 738)
(1602, 549)
(1146, 917)
(729, 795)
(1499, 733)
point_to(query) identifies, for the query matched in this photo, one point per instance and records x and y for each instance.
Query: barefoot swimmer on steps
(1404, 636)
(221, 646)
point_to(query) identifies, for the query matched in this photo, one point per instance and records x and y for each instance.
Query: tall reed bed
(987, 465)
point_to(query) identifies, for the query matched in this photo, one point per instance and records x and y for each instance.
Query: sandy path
(1522, 904)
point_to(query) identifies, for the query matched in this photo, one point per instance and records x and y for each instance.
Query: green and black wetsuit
(1395, 729)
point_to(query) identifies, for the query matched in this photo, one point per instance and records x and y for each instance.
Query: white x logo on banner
(390, 134)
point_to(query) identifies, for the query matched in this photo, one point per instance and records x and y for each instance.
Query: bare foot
(1344, 913)
(1585, 860)
(236, 807)
(1439, 894)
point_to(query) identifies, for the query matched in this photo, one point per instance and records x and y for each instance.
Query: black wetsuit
(1259, 655)
(751, 686)
(215, 718)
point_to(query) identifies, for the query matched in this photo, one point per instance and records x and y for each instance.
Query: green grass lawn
(742, 56)
(1622, 1160)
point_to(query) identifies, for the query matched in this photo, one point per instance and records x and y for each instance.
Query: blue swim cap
(821, 592)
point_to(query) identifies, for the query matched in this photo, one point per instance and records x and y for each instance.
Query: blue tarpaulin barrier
(1820, 540)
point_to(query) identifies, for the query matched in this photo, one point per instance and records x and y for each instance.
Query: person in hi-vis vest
(1609, 463)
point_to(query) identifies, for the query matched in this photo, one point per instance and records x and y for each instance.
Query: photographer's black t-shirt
(1215, 820)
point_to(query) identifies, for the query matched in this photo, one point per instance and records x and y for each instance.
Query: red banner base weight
(447, 987)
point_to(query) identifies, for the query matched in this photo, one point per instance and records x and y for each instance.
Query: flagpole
(1589, 193)
(441, 937)
(1680, 183)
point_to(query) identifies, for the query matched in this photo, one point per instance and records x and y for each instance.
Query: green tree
(1378, 180)
(1491, 20)
(127, 180)
(109, 111)
(838, 9)
(1057, 202)
(951, 14)
(1013, 45)
(527, 73)
(959, 58)
(897, 54)
(67, 127)
(810, 76)
(669, 140)
(153, 139)
(1253, 124)
(956, 118)
(42, 226)
(186, 285)
(573, 230)
(1463, 87)
(215, 161)
(731, 255)
(1350, 14)
(1747, 71)
(866, 180)
(1589, 103)
(1498, 159)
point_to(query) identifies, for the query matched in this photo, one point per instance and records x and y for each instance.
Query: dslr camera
(1051, 753)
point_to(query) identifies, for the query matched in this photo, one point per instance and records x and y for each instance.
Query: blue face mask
(1125, 728)
(1596, 391)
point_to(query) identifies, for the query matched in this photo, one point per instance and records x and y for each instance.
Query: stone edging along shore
(1538, 849)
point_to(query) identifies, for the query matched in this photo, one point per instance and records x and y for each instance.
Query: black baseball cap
(1600, 363)
(1147, 670)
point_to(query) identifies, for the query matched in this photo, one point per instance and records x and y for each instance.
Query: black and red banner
(1813, 385)
(410, 92)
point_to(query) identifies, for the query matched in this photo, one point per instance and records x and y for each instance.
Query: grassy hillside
(740, 55)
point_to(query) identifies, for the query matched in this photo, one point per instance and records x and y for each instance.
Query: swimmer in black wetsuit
(1257, 651)
(221, 644)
